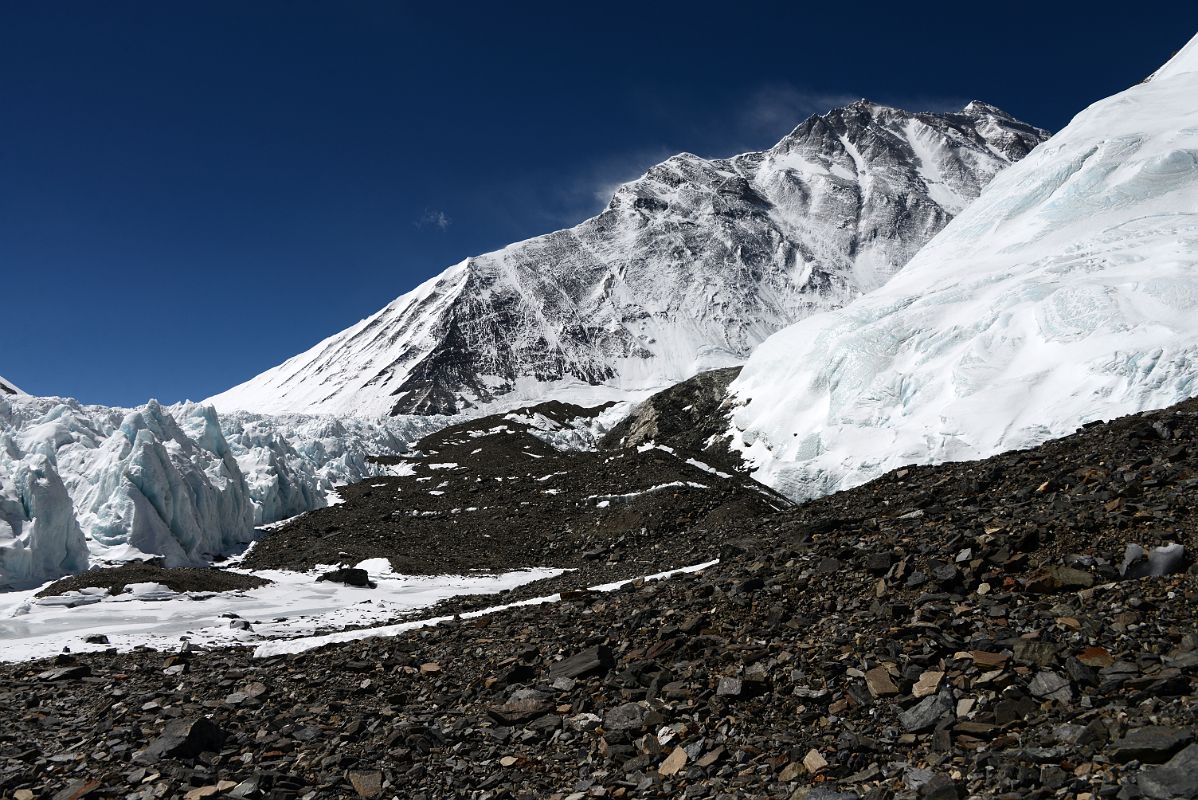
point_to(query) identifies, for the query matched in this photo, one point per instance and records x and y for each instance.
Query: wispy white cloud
(773, 111)
(565, 198)
(776, 109)
(594, 184)
(433, 219)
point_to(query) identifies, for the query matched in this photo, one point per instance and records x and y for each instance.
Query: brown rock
(1098, 657)
(201, 792)
(879, 683)
(674, 762)
(367, 782)
(927, 684)
(985, 659)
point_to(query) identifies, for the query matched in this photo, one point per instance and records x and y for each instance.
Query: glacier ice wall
(88, 483)
(1067, 292)
(39, 535)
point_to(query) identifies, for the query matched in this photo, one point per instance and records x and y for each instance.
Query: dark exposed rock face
(689, 417)
(492, 494)
(690, 265)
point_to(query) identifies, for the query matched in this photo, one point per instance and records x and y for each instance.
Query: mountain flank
(688, 268)
(494, 494)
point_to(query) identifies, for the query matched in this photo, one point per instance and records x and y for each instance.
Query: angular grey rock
(1153, 744)
(1158, 562)
(592, 661)
(1052, 686)
(927, 712)
(1175, 780)
(940, 787)
(184, 738)
(65, 673)
(628, 716)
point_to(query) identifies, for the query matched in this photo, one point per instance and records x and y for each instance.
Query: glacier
(688, 268)
(83, 484)
(1066, 293)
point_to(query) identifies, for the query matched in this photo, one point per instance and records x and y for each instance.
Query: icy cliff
(1067, 292)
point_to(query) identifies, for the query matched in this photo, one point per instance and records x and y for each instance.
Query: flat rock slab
(1153, 744)
(1175, 780)
(592, 661)
(184, 738)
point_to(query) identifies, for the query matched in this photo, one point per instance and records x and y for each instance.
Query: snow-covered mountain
(84, 483)
(1067, 292)
(687, 269)
(8, 387)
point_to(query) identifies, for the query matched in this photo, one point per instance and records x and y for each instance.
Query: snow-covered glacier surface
(687, 269)
(1067, 292)
(81, 484)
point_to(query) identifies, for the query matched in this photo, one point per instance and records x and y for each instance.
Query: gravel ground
(965, 630)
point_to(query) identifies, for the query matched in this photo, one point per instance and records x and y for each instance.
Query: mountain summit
(7, 387)
(688, 268)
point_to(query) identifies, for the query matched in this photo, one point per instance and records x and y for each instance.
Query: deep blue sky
(192, 192)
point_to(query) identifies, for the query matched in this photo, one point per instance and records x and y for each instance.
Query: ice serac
(687, 269)
(1067, 292)
(89, 483)
(39, 535)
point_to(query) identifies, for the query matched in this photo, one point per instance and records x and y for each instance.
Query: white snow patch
(294, 606)
(604, 500)
(312, 642)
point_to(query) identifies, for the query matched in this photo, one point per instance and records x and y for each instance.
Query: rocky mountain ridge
(687, 269)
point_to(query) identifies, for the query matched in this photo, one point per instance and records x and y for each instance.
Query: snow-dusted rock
(178, 482)
(1067, 292)
(8, 387)
(688, 268)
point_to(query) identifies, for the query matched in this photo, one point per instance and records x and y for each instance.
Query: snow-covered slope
(80, 483)
(7, 387)
(1067, 292)
(688, 268)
